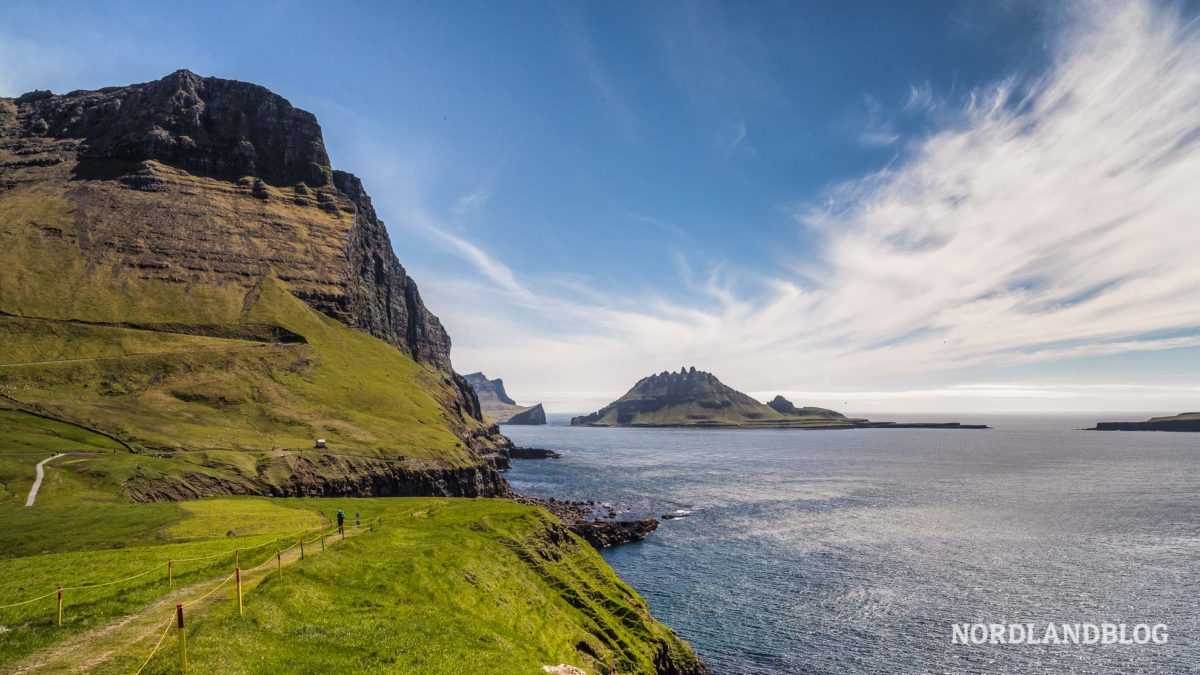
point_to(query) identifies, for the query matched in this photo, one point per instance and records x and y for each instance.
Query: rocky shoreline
(595, 523)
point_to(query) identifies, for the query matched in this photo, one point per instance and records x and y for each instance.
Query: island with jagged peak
(1189, 421)
(497, 404)
(694, 398)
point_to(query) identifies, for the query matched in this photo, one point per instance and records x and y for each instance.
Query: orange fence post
(182, 638)
(59, 620)
(238, 572)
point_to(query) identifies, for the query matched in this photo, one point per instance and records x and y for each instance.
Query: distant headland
(496, 403)
(694, 398)
(1189, 421)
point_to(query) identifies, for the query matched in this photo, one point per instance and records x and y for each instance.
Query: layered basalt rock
(326, 476)
(310, 225)
(205, 125)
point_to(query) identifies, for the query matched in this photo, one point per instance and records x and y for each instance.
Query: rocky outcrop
(533, 453)
(498, 405)
(206, 125)
(605, 533)
(782, 405)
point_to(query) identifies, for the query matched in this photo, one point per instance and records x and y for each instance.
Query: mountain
(689, 397)
(497, 404)
(216, 286)
(694, 398)
(1182, 422)
(191, 297)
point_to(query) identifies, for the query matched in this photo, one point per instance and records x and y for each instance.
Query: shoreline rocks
(601, 531)
(533, 453)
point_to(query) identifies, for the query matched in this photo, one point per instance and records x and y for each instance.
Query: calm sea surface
(856, 551)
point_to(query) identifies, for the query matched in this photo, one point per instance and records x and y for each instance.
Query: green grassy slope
(172, 391)
(446, 586)
(187, 370)
(443, 586)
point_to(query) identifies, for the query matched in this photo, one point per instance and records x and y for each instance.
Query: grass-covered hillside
(230, 384)
(438, 586)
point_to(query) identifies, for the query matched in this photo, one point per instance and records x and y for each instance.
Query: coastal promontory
(1189, 421)
(497, 404)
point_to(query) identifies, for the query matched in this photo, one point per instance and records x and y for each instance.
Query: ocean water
(856, 551)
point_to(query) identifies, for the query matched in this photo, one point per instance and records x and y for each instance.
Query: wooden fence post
(59, 619)
(279, 563)
(182, 637)
(170, 574)
(238, 572)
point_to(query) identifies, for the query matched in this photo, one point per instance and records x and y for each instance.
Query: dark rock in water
(1187, 422)
(533, 453)
(604, 533)
(675, 516)
(579, 516)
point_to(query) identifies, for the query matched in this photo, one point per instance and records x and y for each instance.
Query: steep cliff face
(196, 201)
(240, 131)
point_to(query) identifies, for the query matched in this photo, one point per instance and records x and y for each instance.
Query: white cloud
(1051, 218)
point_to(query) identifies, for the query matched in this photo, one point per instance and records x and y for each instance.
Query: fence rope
(231, 551)
(154, 651)
(26, 602)
(171, 620)
(213, 590)
(117, 581)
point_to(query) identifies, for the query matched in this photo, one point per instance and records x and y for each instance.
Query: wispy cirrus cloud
(1048, 217)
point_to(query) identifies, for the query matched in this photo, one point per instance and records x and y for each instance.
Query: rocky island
(499, 406)
(694, 398)
(1189, 421)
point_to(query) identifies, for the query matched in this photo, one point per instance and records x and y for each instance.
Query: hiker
(341, 520)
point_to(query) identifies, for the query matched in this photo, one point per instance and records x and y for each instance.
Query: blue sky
(927, 206)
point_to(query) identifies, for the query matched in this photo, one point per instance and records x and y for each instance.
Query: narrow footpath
(37, 482)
